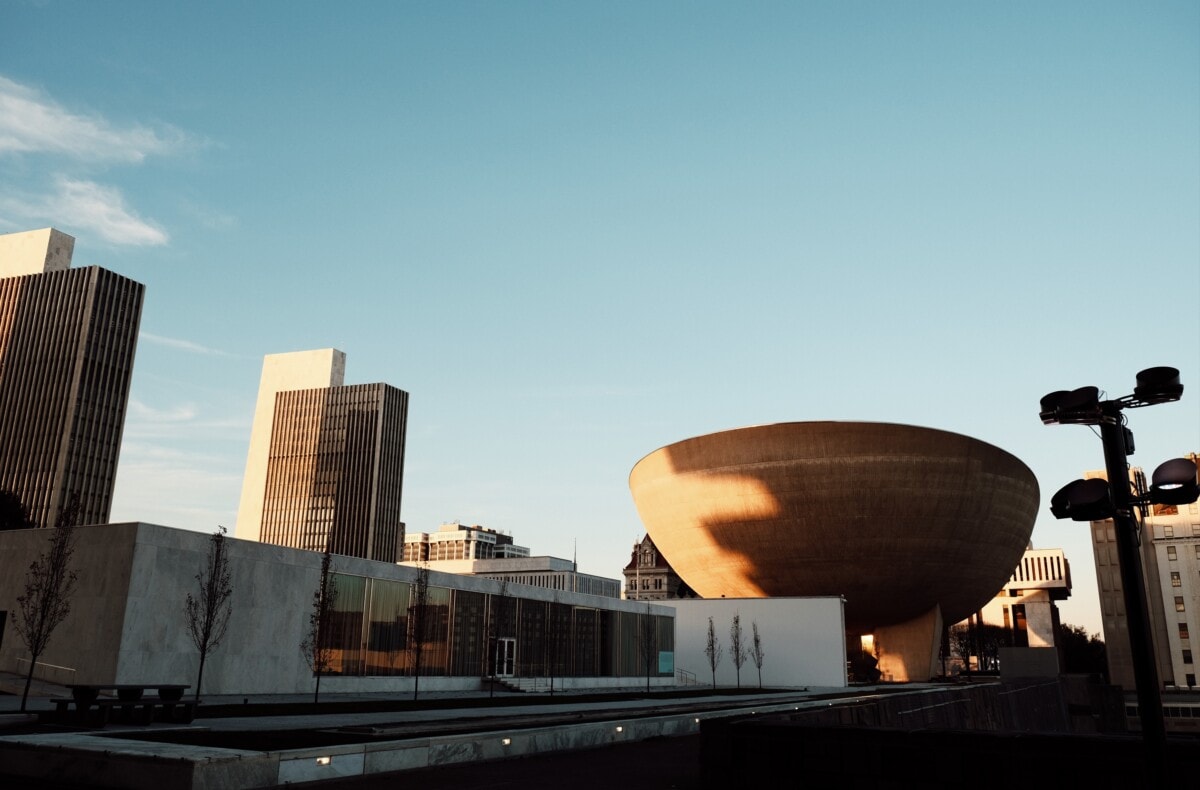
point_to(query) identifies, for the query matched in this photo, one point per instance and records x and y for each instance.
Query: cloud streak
(74, 146)
(33, 123)
(79, 203)
(182, 345)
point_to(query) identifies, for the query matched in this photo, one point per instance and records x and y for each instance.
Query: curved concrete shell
(897, 519)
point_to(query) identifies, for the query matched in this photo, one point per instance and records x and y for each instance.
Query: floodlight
(1083, 500)
(1158, 385)
(1174, 483)
(1079, 406)
(1050, 406)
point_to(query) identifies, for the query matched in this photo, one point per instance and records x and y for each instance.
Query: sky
(577, 232)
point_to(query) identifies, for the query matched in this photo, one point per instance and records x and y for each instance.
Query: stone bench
(130, 706)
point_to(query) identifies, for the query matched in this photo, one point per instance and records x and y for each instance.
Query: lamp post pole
(1137, 613)
(1175, 482)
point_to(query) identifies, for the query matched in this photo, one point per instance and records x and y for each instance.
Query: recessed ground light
(620, 729)
(506, 741)
(324, 760)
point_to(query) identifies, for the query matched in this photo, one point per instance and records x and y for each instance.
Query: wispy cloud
(87, 205)
(182, 345)
(31, 122)
(102, 209)
(179, 423)
(183, 412)
(74, 146)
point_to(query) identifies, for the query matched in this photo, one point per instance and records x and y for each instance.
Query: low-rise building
(455, 541)
(1026, 609)
(127, 622)
(479, 551)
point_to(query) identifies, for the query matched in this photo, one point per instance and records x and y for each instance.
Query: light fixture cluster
(1083, 406)
(1173, 483)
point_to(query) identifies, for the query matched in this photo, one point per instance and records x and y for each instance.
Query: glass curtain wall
(377, 630)
(387, 625)
(346, 625)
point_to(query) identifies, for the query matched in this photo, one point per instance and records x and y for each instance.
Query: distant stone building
(478, 551)
(454, 541)
(326, 461)
(650, 577)
(67, 342)
(1027, 606)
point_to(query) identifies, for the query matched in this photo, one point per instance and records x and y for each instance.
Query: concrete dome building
(912, 526)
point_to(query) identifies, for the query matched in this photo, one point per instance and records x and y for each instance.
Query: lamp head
(1083, 500)
(1175, 483)
(1079, 407)
(1158, 385)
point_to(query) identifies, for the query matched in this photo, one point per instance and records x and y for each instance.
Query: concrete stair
(527, 685)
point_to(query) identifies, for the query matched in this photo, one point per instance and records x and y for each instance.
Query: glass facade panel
(379, 629)
(468, 625)
(386, 627)
(346, 625)
(433, 623)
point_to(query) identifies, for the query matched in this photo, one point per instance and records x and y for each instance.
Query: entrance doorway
(506, 657)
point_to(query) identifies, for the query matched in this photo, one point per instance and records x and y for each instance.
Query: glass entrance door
(506, 657)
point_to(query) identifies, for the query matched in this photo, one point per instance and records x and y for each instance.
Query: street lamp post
(1094, 500)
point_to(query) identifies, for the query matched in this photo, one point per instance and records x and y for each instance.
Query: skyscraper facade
(67, 343)
(1170, 553)
(326, 462)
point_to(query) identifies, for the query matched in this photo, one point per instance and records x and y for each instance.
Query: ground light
(1174, 482)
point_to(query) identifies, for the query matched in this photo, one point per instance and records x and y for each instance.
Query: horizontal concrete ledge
(143, 765)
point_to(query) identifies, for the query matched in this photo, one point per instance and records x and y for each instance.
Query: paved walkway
(567, 714)
(490, 706)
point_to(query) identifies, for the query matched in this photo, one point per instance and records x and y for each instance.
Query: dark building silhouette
(67, 342)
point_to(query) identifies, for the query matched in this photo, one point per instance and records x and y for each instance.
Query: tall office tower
(67, 341)
(1170, 549)
(326, 461)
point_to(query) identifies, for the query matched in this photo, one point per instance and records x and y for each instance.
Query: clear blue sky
(576, 232)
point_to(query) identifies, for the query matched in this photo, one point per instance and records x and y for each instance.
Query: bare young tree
(648, 643)
(317, 645)
(419, 621)
(756, 650)
(713, 650)
(49, 585)
(737, 646)
(207, 613)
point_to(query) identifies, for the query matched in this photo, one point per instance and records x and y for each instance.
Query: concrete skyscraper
(326, 461)
(67, 342)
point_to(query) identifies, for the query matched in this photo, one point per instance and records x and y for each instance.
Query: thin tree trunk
(317, 692)
(28, 680)
(200, 676)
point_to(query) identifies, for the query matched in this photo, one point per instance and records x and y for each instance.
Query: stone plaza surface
(98, 759)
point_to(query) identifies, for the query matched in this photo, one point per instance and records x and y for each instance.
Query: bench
(130, 706)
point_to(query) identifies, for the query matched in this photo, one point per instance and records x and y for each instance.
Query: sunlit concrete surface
(900, 520)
